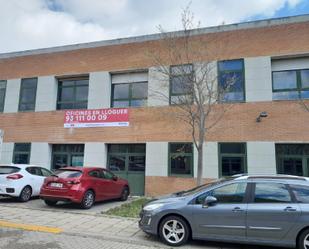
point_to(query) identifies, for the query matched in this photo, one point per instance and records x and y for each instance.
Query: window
(181, 84)
(46, 172)
(34, 171)
(2, 94)
(231, 79)
(271, 193)
(72, 93)
(96, 174)
(108, 175)
(21, 154)
(181, 159)
(232, 159)
(27, 94)
(67, 155)
(292, 159)
(301, 193)
(291, 84)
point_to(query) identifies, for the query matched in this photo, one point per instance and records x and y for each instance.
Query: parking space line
(28, 227)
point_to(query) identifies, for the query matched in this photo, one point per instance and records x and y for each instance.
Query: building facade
(155, 153)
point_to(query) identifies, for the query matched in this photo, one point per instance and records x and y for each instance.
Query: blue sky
(32, 24)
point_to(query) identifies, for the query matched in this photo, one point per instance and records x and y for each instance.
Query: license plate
(56, 185)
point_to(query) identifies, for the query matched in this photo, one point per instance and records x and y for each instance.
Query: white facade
(99, 90)
(156, 159)
(7, 153)
(158, 88)
(95, 155)
(41, 154)
(46, 96)
(12, 96)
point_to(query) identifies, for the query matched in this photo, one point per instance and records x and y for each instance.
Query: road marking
(30, 227)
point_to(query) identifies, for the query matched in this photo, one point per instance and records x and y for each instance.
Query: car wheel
(25, 194)
(50, 203)
(174, 231)
(88, 200)
(124, 194)
(303, 240)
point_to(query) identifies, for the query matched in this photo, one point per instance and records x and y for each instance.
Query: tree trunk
(199, 180)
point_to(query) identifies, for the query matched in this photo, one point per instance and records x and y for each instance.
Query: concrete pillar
(210, 160)
(261, 157)
(156, 159)
(41, 154)
(7, 153)
(12, 96)
(99, 95)
(46, 96)
(95, 155)
(158, 88)
(258, 80)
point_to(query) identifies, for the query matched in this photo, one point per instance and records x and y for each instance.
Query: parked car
(83, 185)
(264, 210)
(21, 180)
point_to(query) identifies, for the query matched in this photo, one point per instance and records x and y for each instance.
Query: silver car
(264, 210)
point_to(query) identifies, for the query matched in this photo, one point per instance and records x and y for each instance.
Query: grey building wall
(7, 153)
(41, 154)
(95, 154)
(158, 88)
(46, 96)
(156, 159)
(99, 90)
(12, 96)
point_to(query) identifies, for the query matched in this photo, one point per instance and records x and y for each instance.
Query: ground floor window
(181, 159)
(232, 159)
(21, 153)
(292, 159)
(67, 155)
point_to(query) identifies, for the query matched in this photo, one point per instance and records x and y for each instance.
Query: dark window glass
(34, 171)
(271, 193)
(301, 193)
(291, 84)
(130, 94)
(108, 175)
(231, 80)
(46, 172)
(27, 94)
(232, 158)
(117, 163)
(72, 94)
(21, 154)
(232, 193)
(67, 155)
(2, 94)
(8, 170)
(95, 173)
(68, 173)
(137, 163)
(181, 158)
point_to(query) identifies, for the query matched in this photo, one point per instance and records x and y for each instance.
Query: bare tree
(186, 65)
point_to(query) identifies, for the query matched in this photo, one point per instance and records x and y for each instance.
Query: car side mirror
(210, 201)
(115, 178)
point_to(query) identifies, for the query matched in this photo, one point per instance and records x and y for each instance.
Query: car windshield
(64, 173)
(8, 170)
(202, 187)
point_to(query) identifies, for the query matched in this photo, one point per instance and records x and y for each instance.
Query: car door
(271, 212)
(95, 178)
(112, 184)
(227, 218)
(36, 179)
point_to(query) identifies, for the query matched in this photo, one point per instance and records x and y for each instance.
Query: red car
(83, 185)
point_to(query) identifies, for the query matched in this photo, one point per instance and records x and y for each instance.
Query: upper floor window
(129, 89)
(2, 94)
(181, 159)
(72, 93)
(231, 80)
(181, 84)
(291, 84)
(27, 94)
(21, 153)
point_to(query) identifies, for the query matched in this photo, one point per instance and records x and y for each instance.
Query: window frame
(185, 154)
(298, 88)
(22, 87)
(221, 155)
(219, 72)
(171, 94)
(75, 86)
(130, 96)
(21, 152)
(3, 102)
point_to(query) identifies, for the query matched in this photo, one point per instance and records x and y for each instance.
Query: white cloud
(29, 24)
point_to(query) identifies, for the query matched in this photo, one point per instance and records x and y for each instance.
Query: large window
(271, 193)
(291, 84)
(181, 84)
(67, 155)
(2, 94)
(181, 159)
(232, 159)
(27, 94)
(21, 153)
(293, 159)
(231, 79)
(72, 93)
(129, 94)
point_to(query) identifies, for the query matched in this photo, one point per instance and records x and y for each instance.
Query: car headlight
(152, 207)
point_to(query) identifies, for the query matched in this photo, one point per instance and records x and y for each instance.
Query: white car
(22, 180)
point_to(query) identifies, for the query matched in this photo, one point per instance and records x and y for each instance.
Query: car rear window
(68, 173)
(301, 193)
(8, 170)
